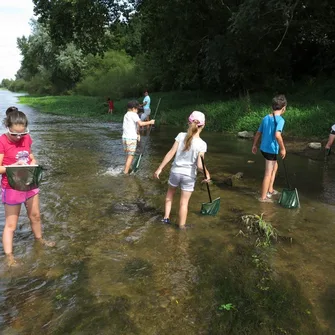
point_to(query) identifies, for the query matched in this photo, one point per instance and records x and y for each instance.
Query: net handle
(204, 170)
(283, 159)
(159, 101)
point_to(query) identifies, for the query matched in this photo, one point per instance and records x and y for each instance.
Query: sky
(15, 16)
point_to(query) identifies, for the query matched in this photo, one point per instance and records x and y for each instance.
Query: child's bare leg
(12, 215)
(273, 177)
(183, 207)
(330, 142)
(148, 119)
(33, 211)
(269, 166)
(128, 163)
(168, 201)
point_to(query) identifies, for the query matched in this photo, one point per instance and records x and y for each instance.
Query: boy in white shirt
(131, 122)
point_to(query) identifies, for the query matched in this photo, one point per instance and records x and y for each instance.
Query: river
(117, 270)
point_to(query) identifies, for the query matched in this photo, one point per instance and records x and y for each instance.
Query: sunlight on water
(115, 171)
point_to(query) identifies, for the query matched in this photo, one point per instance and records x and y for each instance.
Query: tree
(83, 22)
(48, 68)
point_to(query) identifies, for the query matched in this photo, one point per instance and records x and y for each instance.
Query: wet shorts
(269, 157)
(129, 146)
(146, 113)
(13, 197)
(332, 130)
(186, 183)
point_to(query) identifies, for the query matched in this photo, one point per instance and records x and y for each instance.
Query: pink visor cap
(197, 116)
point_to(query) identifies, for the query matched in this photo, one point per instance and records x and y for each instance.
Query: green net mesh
(24, 178)
(289, 198)
(210, 208)
(136, 162)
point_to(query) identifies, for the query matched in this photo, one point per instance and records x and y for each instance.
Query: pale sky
(15, 16)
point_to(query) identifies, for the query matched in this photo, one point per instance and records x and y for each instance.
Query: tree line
(108, 47)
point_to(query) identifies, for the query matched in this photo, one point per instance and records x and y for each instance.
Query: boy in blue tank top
(270, 130)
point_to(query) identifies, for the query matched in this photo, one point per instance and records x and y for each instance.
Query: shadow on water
(246, 295)
(117, 270)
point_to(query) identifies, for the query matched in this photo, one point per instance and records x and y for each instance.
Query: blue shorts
(268, 156)
(186, 183)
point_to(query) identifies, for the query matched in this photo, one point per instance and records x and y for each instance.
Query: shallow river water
(117, 270)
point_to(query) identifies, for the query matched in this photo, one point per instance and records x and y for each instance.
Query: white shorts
(146, 113)
(186, 183)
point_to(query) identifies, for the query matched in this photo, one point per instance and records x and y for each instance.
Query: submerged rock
(245, 134)
(133, 207)
(126, 207)
(228, 181)
(314, 145)
(238, 175)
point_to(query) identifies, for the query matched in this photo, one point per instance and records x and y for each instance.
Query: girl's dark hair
(11, 109)
(16, 117)
(133, 104)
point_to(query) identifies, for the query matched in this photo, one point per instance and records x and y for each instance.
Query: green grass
(307, 115)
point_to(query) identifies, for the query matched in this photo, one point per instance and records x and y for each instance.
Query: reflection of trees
(328, 183)
(178, 273)
(33, 307)
(327, 301)
(264, 302)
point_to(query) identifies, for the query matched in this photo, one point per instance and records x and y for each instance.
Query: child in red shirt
(110, 106)
(15, 149)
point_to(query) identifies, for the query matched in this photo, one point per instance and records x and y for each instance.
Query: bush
(114, 76)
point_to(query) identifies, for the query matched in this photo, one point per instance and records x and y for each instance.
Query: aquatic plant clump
(257, 225)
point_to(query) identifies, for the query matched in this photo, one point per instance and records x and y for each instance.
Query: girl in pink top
(15, 149)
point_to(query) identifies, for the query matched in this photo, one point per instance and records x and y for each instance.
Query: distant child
(146, 107)
(271, 132)
(330, 142)
(188, 148)
(131, 124)
(110, 106)
(15, 149)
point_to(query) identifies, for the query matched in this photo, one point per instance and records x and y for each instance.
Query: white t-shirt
(185, 162)
(130, 120)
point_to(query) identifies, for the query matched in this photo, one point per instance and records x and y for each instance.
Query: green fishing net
(136, 162)
(210, 208)
(289, 198)
(24, 177)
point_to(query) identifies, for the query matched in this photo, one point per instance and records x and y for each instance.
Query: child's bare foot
(46, 242)
(11, 261)
(186, 226)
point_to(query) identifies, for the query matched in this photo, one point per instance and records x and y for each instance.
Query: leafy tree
(115, 75)
(83, 22)
(56, 69)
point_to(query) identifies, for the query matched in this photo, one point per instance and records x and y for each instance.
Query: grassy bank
(309, 114)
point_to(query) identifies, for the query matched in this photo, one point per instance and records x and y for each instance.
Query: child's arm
(2, 168)
(256, 139)
(32, 160)
(199, 165)
(280, 141)
(145, 123)
(166, 159)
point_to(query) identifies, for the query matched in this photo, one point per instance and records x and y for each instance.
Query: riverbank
(307, 116)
